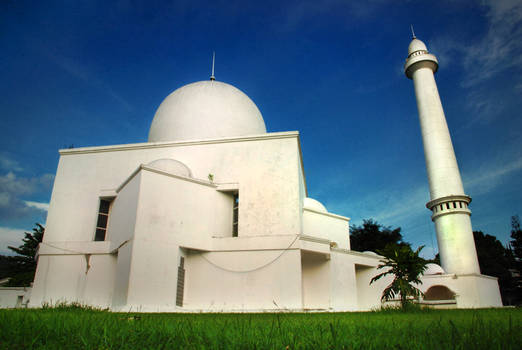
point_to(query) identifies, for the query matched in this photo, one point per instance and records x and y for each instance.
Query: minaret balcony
(449, 205)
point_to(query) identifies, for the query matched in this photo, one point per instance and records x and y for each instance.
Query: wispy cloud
(7, 163)
(496, 52)
(10, 237)
(38, 205)
(83, 73)
(491, 175)
(388, 206)
(501, 47)
(14, 188)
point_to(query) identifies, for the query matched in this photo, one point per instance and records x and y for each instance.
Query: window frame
(104, 212)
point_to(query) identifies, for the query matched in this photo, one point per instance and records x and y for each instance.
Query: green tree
(516, 241)
(516, 258)
(495, 260)
(372, 236)
(406, 266)
(23, 265)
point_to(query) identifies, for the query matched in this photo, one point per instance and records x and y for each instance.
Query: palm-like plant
(406, 265)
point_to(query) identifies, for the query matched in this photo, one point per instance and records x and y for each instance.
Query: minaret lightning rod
(412, 32)
(212, 77)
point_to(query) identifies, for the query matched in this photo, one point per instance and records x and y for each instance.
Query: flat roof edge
(149, 145)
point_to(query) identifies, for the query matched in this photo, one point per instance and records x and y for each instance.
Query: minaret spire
(412, 32)
(212, 77)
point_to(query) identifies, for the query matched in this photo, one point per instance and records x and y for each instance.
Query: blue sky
(91, 73)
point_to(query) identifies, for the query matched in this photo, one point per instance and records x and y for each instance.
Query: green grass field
(77, 328)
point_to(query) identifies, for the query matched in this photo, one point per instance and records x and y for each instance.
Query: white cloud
(12, 188)
(6, 163)
(498, 51)
(82, 73)
(10, 237)
(490, 176)
(38, 205)
(501, 48)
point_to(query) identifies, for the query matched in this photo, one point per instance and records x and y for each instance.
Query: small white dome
(171, 166)
(434, 269)
(370, 253)
(206, 110)
(416, 45)
(312, 204)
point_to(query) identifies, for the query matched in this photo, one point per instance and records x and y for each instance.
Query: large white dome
(206, 110)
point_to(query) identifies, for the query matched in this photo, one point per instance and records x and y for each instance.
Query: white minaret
(449, 204)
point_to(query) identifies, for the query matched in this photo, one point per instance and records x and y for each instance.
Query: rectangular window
(103, 219)
(181, 282)
(235, 218)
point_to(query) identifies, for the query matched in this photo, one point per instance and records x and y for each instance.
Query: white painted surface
(316, 281)
(14, 297)
(327, 226)
(456, 244)
(343, 284)
(206, 109)
(433, 269)
(472, 291)
(176, 198)
(239, 281)
(314, 204)
(454, 232)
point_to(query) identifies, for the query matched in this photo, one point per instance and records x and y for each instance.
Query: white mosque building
(212, 214)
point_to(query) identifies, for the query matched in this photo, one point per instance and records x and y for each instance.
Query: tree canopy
(494, 261)
(372, 236)
(516, 241)
(23, 265)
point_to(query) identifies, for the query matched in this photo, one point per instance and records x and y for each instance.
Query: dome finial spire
(412, 32)
(212, 77)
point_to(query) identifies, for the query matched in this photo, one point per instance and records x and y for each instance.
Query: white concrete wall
(59, 278)
(303, 193)
(122, 215)
(369, 296)
(14, 297)
(228, 281)
(99, 286)
(343, 286)
(327, 226)
(179, 211)
(472, 291)
(153, 276)
(316, 280)
(122, 277)
(266, 168)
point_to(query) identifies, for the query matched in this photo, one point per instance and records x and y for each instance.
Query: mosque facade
(211, 214)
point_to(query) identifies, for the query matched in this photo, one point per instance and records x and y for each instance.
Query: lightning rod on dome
(412, 32)
(212, 77)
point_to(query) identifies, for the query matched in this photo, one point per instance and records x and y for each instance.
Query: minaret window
(235, 218)
(103, 219)
(180, 290)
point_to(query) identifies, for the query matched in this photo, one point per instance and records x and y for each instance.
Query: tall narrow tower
(448, 204)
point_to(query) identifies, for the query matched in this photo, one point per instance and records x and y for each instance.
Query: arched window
(439, 293)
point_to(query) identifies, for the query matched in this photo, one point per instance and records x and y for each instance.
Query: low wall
(12, 297)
